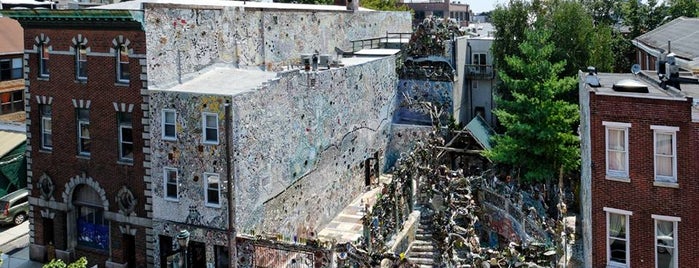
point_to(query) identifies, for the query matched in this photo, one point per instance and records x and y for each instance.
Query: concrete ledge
(37, 253)
(402, 240)
(109, 264)
(65, 256)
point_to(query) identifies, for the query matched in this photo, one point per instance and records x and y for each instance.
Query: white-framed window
(43, 60)
(170, 183)
(213, 189)
(46, 130)
(81, 62)
(618, 254)
(11, 101)
(169, 124)
(665, 153)
(617, 149)
(666, 241)
(479, 59)
(126, 149)
(83, 118)
(122, 64)
(210, 128)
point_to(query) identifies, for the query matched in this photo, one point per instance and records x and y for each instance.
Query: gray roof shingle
(683, 34)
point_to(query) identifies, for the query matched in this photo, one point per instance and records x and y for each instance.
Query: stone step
(423, 237)
(425, 266)
(422, 249)
(422, 254)
(423, 261)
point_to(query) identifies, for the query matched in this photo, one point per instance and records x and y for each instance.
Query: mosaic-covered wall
(412, 92)
(300, 147)
(183, 41)
(402, 140)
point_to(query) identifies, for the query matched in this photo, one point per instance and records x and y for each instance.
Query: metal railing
(282, 257)
(381, 42)
(480, 71)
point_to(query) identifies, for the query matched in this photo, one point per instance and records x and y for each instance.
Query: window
(210, 127)
(169, 118)
(46, 136)
(125, 136)
(617, 149)
(479, 59)
(92, 227)
(170, 183)
(43, 60)
(617, 237)
(81, 62)
(10, 69)
(213, 189)
(665, 153)
(665, 241)
(12, 101)
(474, 84)
(83, 116)
(123, 73)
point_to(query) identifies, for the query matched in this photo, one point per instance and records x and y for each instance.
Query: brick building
(639, 171)
(442, 9)
(84, 125)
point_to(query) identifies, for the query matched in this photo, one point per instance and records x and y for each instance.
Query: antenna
(635, 69)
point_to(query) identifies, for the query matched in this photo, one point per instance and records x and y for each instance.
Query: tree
(384, 5)
(538, 139)
(679, 8)
(509, 21)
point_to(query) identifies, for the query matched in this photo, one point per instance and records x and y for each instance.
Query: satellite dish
(635, 69)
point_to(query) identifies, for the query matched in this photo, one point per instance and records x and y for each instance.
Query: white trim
(618, 211)
(177, 184)
(665, 128)
(627, 239)
(162, 125)
(206, 189)
(616, 124)
(203, 128)
(640, 96)
(666, 218)
(675, 246)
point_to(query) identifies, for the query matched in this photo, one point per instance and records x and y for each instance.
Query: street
(14, 244)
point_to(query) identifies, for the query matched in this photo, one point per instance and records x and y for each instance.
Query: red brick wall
(62, 163)
(640, 196)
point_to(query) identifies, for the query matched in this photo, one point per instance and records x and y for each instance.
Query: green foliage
(539, 137)
(384, 5)
(679, 8)
(56, 263)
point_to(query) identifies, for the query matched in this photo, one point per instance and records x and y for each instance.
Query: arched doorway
(91, 229)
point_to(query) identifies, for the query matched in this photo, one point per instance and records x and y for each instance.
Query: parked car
(15, 207)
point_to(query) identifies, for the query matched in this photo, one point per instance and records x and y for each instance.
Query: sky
(479, 6)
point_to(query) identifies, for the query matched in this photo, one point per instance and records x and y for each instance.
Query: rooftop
(608, 80)
(138, 5)
(683, 34)
(224, 81)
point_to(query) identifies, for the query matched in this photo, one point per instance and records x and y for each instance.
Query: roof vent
(591, 78)
(630, 85)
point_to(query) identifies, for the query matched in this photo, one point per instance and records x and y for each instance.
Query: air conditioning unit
(353, 5)
(323, 60)
(306, 60)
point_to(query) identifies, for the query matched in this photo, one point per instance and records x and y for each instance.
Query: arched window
(81, 50)
(92, 229)
(42, 46)
(123, 73)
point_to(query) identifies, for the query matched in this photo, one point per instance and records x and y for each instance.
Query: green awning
(481, 132)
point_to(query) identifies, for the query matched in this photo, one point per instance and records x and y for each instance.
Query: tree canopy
(538, 139)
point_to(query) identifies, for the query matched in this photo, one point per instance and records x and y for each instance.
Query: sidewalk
(19, 259)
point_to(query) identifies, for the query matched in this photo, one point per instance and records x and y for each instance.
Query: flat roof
(377, 52)
(137, 5)
(648, 78)
(224, 81)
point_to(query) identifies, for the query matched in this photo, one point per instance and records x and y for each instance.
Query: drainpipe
(470, 90)
(233, 256)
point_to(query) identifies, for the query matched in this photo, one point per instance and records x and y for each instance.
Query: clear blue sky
(479, 6)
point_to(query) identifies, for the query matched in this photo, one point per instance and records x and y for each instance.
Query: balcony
(478, 71)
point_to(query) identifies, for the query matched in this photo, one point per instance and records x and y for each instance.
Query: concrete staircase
(422, 251)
